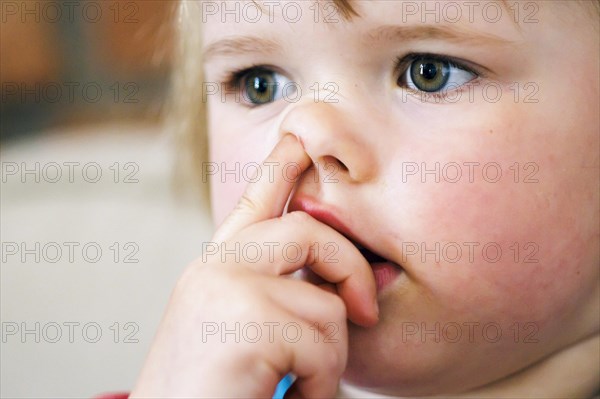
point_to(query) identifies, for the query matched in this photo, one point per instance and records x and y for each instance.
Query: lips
(385, 271)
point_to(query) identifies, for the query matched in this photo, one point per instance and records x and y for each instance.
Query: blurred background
(76, 62)
(93, 232)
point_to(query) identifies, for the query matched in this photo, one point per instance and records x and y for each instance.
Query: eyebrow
(445, 33)
(237, 45)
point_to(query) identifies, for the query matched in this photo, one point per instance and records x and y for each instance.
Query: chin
(379, 362)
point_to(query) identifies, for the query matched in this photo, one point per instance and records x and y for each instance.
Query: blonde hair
(186, 115)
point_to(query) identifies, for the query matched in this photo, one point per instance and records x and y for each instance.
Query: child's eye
(261, 85)
(431, 74)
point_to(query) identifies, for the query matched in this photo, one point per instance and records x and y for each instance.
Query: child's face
(527, 108)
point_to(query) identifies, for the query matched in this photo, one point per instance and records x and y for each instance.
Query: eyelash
(233, 79)
(404, 62)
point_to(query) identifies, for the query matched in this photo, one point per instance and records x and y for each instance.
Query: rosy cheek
(519, 242)
(490, 254)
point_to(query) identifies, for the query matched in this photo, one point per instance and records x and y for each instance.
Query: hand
(227, 328)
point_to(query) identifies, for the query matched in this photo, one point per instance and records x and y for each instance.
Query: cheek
(516, 228)
(498, 250)
(547, 233)
(223, 199)
(233, 166)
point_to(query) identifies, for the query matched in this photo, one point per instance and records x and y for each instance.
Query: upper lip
(327, 216)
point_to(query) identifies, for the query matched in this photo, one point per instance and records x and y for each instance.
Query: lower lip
(385, 273)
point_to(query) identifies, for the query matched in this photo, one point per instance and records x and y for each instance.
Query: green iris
(261, 86)
(429, 74)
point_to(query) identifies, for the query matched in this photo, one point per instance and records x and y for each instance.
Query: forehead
(310, 20)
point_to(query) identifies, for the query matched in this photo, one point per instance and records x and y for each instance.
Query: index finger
(265, 197)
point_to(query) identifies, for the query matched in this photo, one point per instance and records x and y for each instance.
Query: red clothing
(114, 395)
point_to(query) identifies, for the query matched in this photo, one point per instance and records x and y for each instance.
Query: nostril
(332, 163)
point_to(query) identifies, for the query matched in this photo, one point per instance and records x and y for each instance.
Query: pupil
(429, 71)
(260, 85)
(429, 74)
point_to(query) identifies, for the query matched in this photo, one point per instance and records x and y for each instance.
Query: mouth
(370, 256)
(385, 271)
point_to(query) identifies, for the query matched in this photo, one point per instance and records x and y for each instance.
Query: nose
(333, 137)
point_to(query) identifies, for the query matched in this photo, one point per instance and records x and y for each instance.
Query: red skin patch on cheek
(506, 258)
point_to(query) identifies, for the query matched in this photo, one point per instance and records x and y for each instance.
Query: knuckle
(251, 200)
(247, 203)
